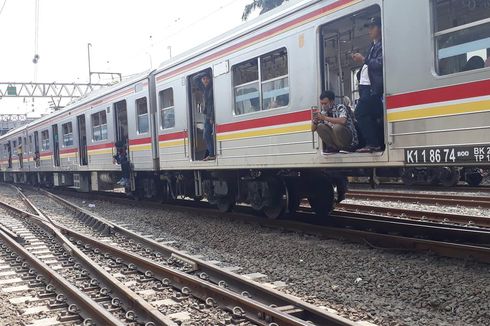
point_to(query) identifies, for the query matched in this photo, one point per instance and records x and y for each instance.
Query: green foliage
(263, 5)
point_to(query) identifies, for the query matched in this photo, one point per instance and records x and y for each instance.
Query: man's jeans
(369, 115)
(208, 137)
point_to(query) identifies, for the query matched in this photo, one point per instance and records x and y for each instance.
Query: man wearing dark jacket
(369, 111)
(204, 83)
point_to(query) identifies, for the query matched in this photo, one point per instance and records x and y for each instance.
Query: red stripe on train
(100, 146)
(68, 150)
(256, 38)
(266, 122)
(142, 141)
(443, 94)
(172, 136)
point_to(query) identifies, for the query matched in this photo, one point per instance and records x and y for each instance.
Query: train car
(267, 76)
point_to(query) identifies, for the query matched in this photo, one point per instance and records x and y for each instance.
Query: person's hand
(358, 58)
(322, 117)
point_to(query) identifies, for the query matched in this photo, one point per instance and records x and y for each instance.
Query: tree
(263, 5)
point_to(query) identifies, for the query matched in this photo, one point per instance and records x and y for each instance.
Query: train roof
(249, 27)
(92, 96)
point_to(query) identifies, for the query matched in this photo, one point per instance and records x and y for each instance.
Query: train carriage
(267, 76)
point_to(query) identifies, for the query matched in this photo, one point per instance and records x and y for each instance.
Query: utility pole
(169, 51)
(89, 45)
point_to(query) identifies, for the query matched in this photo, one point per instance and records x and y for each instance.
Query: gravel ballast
(361, 283)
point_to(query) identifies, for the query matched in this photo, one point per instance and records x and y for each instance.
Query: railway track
(422, 198)
(166, 278)
(381, 231)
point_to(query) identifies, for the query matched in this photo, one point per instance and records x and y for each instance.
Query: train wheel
(277, 200)
(225, 204)
(321, 198)
(449, 177)
(474, 179)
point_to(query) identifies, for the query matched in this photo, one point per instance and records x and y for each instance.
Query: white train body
(267, 75)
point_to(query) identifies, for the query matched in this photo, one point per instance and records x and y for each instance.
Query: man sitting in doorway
(369, 111)
(204, 83)
(334, 125)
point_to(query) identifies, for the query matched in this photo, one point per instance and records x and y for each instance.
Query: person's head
(327, 98)
(374, 28)
(206, 79)
(475, 62)
(347, 101)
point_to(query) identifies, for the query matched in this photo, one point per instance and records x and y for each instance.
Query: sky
(126, 36)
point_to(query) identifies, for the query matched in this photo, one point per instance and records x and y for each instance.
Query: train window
(45, 140)
(167, 110)
(99, 126)
(261, 83)
(142, 112)
(462, 35)
(67, 130)
(274, 78)
(246, 87)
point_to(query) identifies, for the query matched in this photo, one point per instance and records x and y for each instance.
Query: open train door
(56, 146)
(121, 123)
(82, 140)
(197, 117)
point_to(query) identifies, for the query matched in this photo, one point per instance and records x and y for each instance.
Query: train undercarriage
(442, 176)
(274, 193)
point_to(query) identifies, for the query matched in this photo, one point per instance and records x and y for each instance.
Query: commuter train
(267, 76)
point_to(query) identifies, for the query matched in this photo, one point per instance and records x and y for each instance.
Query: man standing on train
(204, 83)
(369, 111)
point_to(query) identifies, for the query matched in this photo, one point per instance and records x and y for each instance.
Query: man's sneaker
(369, 149)
(209, 158)
(330, 151)
(121, 182)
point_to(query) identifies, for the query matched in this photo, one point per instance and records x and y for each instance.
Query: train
(267, 75)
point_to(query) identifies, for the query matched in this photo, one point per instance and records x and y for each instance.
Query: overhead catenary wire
(3, 6)
(165, 38)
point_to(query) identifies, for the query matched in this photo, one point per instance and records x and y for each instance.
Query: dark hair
(327, 94)
(475, 62)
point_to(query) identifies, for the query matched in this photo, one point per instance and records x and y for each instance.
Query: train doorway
(82, 140)
(340, 40)
(56, 146)
(37, 157)
(121, 122)
(197, 117)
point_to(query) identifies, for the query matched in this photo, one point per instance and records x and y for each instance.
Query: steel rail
(416, 215)
(381, 239)
(235, 283)
(130, 299)
(411, 197)
(88, 308)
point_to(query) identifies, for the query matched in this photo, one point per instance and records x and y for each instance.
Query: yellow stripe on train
(439, 111)
(306, 127)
